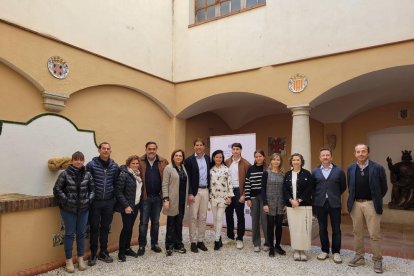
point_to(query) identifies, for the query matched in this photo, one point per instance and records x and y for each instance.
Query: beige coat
(171, 189)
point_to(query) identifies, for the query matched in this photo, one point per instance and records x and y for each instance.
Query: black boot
(220, 242)
(216, 245)
(280, 250)
(271, 252)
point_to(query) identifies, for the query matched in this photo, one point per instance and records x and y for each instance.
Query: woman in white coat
(221, 192)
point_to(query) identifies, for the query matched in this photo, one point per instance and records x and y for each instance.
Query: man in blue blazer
(329, 183)
(367, 186)
(198, 170)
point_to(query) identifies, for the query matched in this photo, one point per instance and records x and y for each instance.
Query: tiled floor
(397, 240)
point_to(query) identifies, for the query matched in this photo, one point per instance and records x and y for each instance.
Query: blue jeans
(335, 216)
(150, 209)
(74, 223)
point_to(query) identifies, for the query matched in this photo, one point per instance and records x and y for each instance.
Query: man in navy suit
(367, 186)
(198, 170)
(329, 183)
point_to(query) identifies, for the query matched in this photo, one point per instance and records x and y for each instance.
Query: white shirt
(234, 172)
(294, 180)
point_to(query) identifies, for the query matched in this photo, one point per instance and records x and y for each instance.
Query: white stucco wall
(137, 33)
(26, 149)
(284, 31)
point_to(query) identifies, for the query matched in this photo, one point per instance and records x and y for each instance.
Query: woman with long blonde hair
(273, 202)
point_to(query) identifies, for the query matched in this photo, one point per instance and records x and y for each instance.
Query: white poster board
(248, 142)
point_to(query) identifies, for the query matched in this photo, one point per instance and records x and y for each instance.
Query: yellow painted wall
(19, 99)
(27, 238)
(356, 129)
(123, 117)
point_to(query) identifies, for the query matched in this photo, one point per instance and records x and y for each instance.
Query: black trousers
(235, 205)
(100, 219)
(335, 217)
(128, 221)
(174, 235)
(273, 232)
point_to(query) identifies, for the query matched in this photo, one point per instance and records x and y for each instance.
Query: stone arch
(148, 95)
(235, 108)
(363, 92)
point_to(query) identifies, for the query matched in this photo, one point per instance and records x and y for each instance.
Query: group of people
(149, 184)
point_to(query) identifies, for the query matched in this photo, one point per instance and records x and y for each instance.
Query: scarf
(138, 180)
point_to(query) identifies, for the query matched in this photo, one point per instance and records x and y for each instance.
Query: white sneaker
(239, 244)
(296, 255)
(337, 258)
(323, 256)
(266, 248)
(303, 256)
(257, 249)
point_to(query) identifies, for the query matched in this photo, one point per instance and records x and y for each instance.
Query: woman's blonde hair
(273, 156)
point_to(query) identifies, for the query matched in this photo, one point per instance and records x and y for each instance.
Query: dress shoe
(193, 247)
(216, 245)
(280, 250)
(130, 252)
(271, 252)
(141, 251)
(104, 256)
(180, 250)
(121, 258)
(156, 248)
(357, 261)
(202, 246)
(168, 252)
(92, 260)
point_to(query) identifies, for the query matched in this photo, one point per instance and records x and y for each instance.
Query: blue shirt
(326, 172)
(202, 169)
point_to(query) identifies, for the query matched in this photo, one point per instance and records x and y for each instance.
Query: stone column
(301, 142)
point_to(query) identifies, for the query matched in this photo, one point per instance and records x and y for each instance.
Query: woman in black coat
(74, 191)
(128, 193)
(297, 192)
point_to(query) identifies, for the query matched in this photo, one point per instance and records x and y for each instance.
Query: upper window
(206, 10)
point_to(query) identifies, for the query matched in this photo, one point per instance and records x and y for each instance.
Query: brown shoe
(201, 246)
(378, 266)
(357, 261)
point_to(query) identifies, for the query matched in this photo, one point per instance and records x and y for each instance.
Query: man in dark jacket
(367, 186)
(198, 169)
(104, 172)
(151, 168)
(329, 183)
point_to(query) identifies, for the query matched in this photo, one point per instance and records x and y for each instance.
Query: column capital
(302, 109)
(53, 101)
